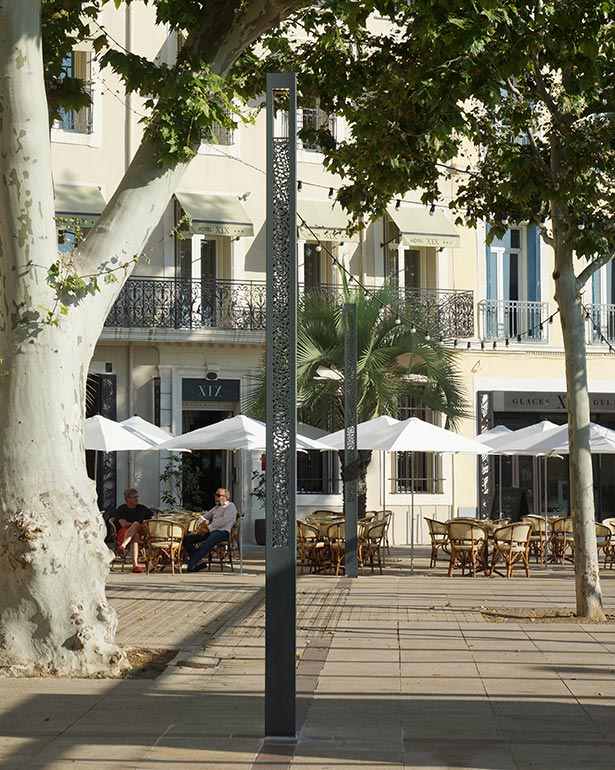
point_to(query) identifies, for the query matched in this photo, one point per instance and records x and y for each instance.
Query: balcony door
(198, 270)
(513, 283)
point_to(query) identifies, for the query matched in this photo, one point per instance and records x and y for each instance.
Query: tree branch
(592, 267)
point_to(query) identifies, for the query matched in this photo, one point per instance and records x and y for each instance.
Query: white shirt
(221, 517)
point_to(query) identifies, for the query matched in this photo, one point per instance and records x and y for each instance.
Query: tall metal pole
(280, 574)
(351, 453)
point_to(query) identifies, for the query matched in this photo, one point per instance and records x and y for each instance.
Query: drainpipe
(128, 95)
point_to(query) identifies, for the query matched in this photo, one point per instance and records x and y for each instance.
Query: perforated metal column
(280, 588)
(351, 454)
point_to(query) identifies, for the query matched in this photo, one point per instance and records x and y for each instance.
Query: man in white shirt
(218, 523)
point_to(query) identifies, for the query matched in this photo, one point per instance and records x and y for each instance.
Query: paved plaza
(404, 670)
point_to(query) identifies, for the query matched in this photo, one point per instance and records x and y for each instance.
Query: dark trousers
(209, 541)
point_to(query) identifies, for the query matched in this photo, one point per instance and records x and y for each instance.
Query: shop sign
(210, 390)
(513, 401)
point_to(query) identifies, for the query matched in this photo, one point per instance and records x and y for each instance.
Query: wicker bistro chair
(163, 540)
(371, 543)
(336, 543)
(539, 537)
(561, 541)
(511, 545)
(311, 550)
(604, 542)
(223, 552)
(438, 533)
(468, 544)
(122, 555)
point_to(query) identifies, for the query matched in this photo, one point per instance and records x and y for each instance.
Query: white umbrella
(142, 428)
(516, 441)
(414, 435)
(601, 441)
(239, 432)
(520, 441)
(365, 431)
(106, 435)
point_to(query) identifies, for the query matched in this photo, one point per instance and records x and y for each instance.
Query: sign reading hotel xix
(513, 401)
(210, 390)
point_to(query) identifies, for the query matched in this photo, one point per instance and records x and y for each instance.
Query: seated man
(218, 524)
(130, 518)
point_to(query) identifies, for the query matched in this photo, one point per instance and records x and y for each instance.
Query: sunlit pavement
(404, 670)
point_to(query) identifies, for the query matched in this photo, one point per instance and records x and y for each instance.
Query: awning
(418, 227)
(80, 203)
(215, 214)
(322, 220)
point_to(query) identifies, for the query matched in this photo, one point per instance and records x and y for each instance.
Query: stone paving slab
(394, 671)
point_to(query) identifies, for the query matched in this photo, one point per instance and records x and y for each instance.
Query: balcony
(77, 121)
(174, 303)
(514, 320)
(600, 324)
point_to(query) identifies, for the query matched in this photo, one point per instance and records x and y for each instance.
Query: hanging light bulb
(413, 329)
(427, 336)
(330, 192)
(432, 209)
(299, 186)
(397, 205)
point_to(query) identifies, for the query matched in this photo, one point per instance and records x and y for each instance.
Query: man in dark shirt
(130, 517)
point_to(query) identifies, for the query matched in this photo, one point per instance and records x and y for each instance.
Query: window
(222, 135)
(318, 473)
(78, 64)
(314, 119)
(512, 307)
(199, 295)
(418, 471)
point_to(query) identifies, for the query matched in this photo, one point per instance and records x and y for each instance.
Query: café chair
(336, 542)
(311, 550)
(371, 542)
(539, 537)
(163, 543)
(604, 541)
(438, 533)
(511, 545)
(468, 543)
(561, 542)
(223, 552)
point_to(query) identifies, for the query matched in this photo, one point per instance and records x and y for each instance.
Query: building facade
(184, 342)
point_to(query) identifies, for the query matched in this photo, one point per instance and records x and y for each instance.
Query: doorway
(210, 467)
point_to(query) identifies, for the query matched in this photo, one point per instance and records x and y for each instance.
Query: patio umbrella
(555, 441)
(239, 432)
(144, 429)
(106, 435)
(520, 441)
(489, 435)
(365, 430)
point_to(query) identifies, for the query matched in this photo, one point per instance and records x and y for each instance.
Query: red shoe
(137, 569)
(121, 550)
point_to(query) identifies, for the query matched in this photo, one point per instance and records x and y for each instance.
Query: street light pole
(280, 573)
(351, 454)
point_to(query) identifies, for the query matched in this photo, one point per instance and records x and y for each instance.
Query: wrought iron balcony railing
(175, 303)
(514, 320)
(600, 323)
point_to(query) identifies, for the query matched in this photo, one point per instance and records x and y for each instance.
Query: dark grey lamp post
(280, 574)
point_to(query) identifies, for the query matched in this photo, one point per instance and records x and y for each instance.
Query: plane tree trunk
(568, 298)
(54, 617)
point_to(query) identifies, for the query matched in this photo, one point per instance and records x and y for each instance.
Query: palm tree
(397, 356)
